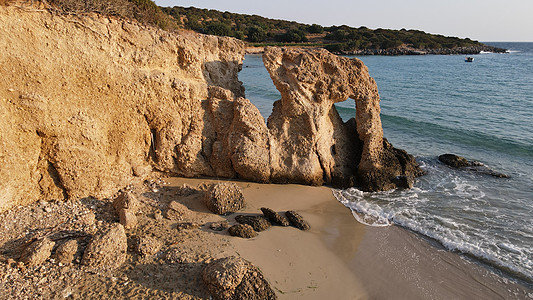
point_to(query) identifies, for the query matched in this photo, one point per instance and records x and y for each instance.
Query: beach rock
(219, 226)
(107, 249)
(404, 182)
(453, 160)
(306, 127)
(66, 251)
(177, 211)
(242, 230)
(258, 223)
(460, 162)
(236, 278)
(224, 198)
(297, 220)
(126, 200)
(148, 246)
(274, 217)
(37, 252)
(187, 226)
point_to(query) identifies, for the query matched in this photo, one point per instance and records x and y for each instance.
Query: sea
(437, 104)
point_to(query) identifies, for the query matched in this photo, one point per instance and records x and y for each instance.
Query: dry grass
(144, 11)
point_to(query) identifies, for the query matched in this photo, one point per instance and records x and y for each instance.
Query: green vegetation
(256, 29)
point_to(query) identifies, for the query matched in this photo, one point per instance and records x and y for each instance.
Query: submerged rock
(274, 217)
(460, 162)
(224, 198)
(235, 278)
(297, 220)
(258, 223)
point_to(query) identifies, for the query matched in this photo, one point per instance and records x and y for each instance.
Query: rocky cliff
(90, 103)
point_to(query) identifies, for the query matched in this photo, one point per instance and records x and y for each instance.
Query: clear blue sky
(482, 20)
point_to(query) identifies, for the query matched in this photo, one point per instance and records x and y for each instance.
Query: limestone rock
(177, 211)
(107, 249)
(274, 217)
(126, 205)
(224, 198)
(37, 252)
(236, 278)
(297, 220)
(309, 142)
(148, 245)
(66, 251)
(258, 223)
(242, 230)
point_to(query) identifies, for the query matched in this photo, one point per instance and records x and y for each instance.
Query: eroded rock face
(94, 103)
(309, 141)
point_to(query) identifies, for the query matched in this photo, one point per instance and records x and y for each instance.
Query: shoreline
(350, 260)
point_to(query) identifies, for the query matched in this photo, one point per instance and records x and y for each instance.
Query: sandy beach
(344, 259)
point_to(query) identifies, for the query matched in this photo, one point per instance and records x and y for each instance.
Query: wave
(446, 231)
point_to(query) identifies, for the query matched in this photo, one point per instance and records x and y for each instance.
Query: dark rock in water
(297, 221)
(274, 217)
(455, 161)
(258, 223)
(235, 278)
(242, 230)
(224, 198)
(404, 182)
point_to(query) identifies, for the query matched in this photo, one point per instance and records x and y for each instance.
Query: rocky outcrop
(107, 249)
(297, 220)
(89, 104)
(459, 162)
(309, 142)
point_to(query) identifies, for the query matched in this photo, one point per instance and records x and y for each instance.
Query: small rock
(274, 217)
(177, 211)
(258, 223)
(37, 252)
(224, 198)
(148, 245)
(66, 251)
(235, 278)
(219, 226)
(126, 205)
(88, 219)
(187, 226)
(158, 215)
(127, 218)
(296, 220)
(107, 250)
(242, 230)
(126, 200)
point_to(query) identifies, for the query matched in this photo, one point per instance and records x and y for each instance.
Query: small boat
(469, 59)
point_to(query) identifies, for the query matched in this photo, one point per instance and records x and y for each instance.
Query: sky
(481, 20)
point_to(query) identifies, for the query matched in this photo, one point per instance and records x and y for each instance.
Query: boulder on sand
(224, 198)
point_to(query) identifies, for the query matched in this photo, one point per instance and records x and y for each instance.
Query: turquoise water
(431, 105)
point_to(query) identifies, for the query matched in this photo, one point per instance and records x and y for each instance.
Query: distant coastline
(259, 32)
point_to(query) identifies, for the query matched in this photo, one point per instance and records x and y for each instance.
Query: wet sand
(340, 258)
